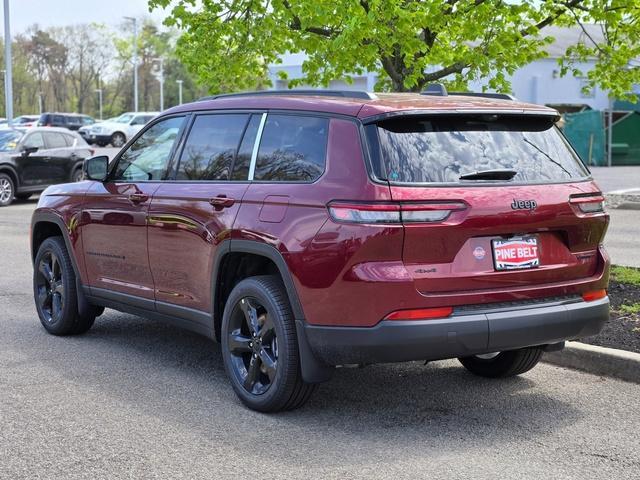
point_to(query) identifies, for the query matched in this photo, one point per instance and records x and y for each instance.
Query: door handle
(138, 197)
(222, 201)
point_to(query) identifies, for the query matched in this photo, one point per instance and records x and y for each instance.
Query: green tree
(229, 43)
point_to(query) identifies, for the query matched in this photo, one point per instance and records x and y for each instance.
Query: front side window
(442, 149)
(211, 147)
(148, 157)
(292, 149)
(34, 140)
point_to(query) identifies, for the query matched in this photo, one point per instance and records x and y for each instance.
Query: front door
(114, 217)
(34, 168)
(191, 215)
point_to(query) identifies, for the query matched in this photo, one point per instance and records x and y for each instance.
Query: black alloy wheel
(54, 291)
(260, 346)
(50, 287)
(253, 345)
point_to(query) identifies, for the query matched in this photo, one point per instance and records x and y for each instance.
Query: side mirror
(26, 151)
(96, 168)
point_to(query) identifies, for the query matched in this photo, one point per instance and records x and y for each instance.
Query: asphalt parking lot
(136, 399)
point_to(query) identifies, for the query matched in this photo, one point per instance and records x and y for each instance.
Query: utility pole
(99, 92)
(135, 61)
(179, 82)
(161, 62)
(8, 87)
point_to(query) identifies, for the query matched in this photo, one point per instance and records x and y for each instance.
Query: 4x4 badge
(523, 204)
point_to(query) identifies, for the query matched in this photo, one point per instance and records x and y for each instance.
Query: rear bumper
(482, 331)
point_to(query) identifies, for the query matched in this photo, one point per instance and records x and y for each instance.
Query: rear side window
(55, 140)
(243, 158)
(70, 140)
(441, 149)
(292, 149)
(211, 147)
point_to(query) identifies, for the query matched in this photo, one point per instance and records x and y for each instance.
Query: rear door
(114, 217)
(193, 213)
(60, 161)
(489, 201)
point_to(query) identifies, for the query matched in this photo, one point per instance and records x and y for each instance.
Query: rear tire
(54, 291)
(7, 190)
(505, 364)
(260, 347)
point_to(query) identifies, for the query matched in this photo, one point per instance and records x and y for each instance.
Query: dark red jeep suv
(309, 231)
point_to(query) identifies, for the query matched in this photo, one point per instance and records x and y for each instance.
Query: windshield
(442, 149)
(124, 118)
(9, 140)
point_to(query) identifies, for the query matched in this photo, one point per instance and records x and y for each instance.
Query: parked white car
(117, 132)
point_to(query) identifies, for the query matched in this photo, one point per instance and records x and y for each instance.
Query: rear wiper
(489, 175)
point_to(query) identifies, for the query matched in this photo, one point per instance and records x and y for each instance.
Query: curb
(628, 199)
(608, 362)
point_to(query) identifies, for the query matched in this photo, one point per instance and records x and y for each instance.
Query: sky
(24, 13)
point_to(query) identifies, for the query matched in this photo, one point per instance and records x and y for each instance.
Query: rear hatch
(488, 201)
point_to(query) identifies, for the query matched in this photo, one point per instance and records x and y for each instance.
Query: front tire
(503, 364)
(118, 140)
(77, 175)
(260, 347)
(7, 190)
(54, 290)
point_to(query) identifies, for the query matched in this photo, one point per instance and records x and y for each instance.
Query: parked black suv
(31, 160)
(71, 121)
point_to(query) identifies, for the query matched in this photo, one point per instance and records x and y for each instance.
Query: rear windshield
(441, 149)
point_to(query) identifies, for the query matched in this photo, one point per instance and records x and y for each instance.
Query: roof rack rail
(500, 96)
(307, 91)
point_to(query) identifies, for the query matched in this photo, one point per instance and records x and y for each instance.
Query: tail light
(591, 203)
(92, 151)
(594, 295)
(420, 314)
(393, 213)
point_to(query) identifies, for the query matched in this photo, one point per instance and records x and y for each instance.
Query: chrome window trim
(256, 145)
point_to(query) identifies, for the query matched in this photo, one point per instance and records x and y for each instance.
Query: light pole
(179, 82)
(99, 92)
(161, 62)
(8, 87)
(135, 61)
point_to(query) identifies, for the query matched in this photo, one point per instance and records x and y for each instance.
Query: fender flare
(10, 169)
(313, 370)
(48, 217)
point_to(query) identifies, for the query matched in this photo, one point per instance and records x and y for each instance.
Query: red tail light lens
(588, 203)
(393, 213)
(92, 151)
(594, 295)
(364, 212)
(420, 314)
